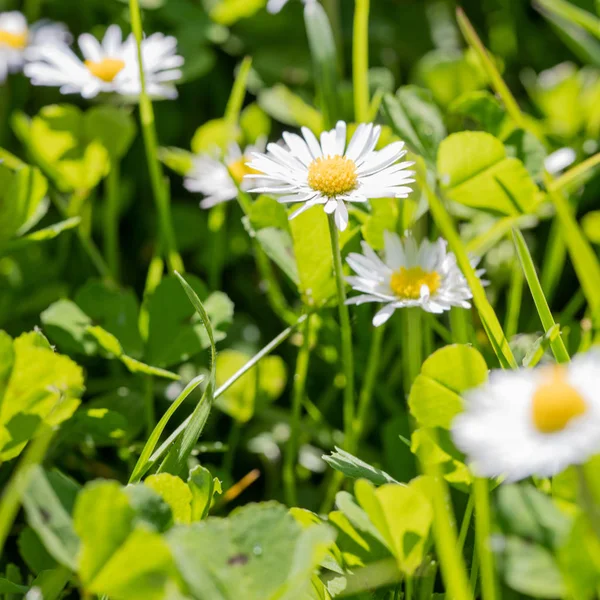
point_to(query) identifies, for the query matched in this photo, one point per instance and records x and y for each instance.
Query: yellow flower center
(332, 175)
(407, 283)
(239, 169)
(18, 41)
(106, 69)
(555, 403)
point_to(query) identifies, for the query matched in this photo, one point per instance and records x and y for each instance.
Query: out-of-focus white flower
(532, 421)
(110, 66)
(17, 38)
(218, 179)
(410, 274)
(327, 172)
(558, 161)
(275, 6)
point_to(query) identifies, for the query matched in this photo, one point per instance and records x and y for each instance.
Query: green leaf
(175, 493)
(144, 461)
(115, 310)
(255, 123)
(176, 332)
(151, 510)
(435, 396)
(52, 583)
(113, 127)
(591, 226)
(100, 425)
(215, 135)
(22, 200)
(475, 171)
(353, 467)
(484, 109)
(49, 518)
(178, 160)
(241, 399)
(33, 551)
(288, 108)
(67, 326)
(228, 12)
(528, 149)
(532, 570)
(384, 217)
(8, 587)
(203, 487)
(403, 515)
(258, 552)
(414, 117)
(43, 235)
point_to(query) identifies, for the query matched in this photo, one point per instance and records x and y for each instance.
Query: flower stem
(289, 468)
(157, 179)
(360, 61)
(111, 220)
(589, 499)
(366, 392)
(150, 413)
(482, 538)
(346, 338)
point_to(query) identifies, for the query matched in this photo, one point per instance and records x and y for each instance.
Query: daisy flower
(217, 179)
(410, 274)
(17, 38)
(532, 422)
(110, 66)
(327, 172)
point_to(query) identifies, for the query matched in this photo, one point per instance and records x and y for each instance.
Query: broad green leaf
(528, 149)
(283, 105)
(22, 200)
(384, 217)
(175, 493)
(435, 396)
(129, 402)
(178, 160)
(204, 487)
(8, 587)
(52, 583)
(258, 552)
(103, 519)
(49, 518)
(241, 399)
(7, 359)
(215, 135)
(115, 310)
(104, 427)
(113, 127)
(255, 123)
(591, 226)
(151, 509)
(33, 551)
(358, 517)
(403, 514)
(353, 467)
(312, 246)
(266, 212)
(176, 333)
(531, 569)
(67, 326)
(484, 109)
(228, 12)
(57, 139)
(414, 117)
(475, 171)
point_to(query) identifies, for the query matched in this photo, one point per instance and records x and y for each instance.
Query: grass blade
(575, 15)
(558, 346)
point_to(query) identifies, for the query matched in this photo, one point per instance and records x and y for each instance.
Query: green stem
(482, 538)
(513, 304)
(360, 61)
(289, 467)
(466, 522)
(238, 93)
(366, 392)
(233, 441)
(346, 337)
(149, 411)
(111, 220)
(460, 326)
(157, 179)
(588, 499)
(413, 345)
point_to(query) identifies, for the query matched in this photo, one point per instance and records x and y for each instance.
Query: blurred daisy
(532, 422)
(17, 38)
(310, 172)
(410, 274)
(110, 66)
(218, 180)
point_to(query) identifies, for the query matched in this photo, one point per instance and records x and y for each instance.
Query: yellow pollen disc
(17, 41)
(239, 169)
(107, 69)
(555, 403)
(332, 175)
(407, 283)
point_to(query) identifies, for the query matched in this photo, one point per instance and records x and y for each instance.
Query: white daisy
(16, 38)
(329, 173)
(218, 179)
(410, 274)
(532, 422)
(110, 66)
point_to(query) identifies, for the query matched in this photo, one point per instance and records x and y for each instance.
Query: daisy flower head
(109, 66)
(409, 274)
(218, 179)
(330, 172)
(17, 39)
(532, 421)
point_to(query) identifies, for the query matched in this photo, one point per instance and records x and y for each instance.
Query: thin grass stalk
(482, 539)
(360, 61)
(513, 304)
(558, 346)
(576, 175)
(238, 93)
(298, 393)
(157, 178)
(111, 220)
